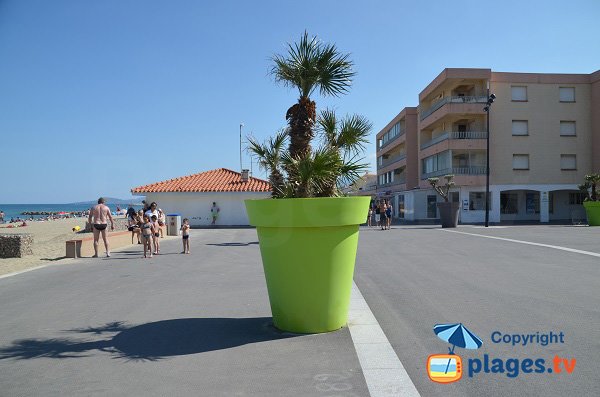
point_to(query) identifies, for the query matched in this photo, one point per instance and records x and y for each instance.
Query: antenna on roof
(241, 125)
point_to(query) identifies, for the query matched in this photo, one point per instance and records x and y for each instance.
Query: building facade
(544, 138)
(192, 196)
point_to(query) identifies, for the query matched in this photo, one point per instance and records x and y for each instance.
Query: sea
(16, 210)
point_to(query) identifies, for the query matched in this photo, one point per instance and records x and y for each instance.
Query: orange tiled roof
(219, 180)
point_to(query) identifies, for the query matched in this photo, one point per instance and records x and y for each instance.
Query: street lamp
(241, 125)
(487, 108)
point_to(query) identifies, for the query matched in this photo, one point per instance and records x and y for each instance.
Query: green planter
(592, 209)
(308, 249)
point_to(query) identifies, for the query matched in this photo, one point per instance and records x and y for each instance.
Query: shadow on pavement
(151, 341)
(235, 244)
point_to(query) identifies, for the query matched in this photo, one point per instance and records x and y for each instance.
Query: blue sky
(97, 97)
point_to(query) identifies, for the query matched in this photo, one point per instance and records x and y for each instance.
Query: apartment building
(544, 137)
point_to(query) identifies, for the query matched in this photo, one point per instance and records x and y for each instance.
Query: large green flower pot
(308, 248)
(592, 209)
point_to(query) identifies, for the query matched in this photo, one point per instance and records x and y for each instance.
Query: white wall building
(192, 196)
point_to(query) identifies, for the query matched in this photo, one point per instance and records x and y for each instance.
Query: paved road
(416, 277)
(195, 325)
(200, 325)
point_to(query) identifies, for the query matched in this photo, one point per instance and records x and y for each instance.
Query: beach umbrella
(457, 335)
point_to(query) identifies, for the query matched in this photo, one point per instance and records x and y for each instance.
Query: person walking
(383, 216)
(388, 214)
(378, 214)
(147, 234)
(185, 236)
(215, 213)
(369, 217)
(98, 218)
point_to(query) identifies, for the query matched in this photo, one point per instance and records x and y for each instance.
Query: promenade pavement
(180, 325)
(200, 324)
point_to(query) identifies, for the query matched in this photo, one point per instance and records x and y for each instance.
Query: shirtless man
(100, 214)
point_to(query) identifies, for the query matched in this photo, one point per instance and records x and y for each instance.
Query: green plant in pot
(591, 201)
(448, 210)
(308, 233)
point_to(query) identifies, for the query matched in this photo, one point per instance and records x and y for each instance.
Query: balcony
(454, 135)
(392, 140)
(452, 99)
(470, 170)
(398, 181)
(392, 159)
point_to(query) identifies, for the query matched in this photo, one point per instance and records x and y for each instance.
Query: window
(520, 127)
(477, 201)
(401, 206)
(567, 94)
(437, 162)
(551, 202)
(509, 203)
(532, 202)
(431, 206)
(380, 161)
(568, 162)
(518, 94)
(567, 128)
(520, 161)
(576, 198)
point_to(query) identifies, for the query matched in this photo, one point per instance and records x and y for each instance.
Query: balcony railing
(392, 159)
(391, 140)
(397, 181)
(455, 135)
(470, 170)
(453, 99)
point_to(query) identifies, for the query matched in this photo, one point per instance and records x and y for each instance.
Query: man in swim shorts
(99, 216)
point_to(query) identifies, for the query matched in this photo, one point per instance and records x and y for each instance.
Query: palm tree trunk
(301, 119)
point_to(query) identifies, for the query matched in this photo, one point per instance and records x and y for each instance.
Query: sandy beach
(48, 242)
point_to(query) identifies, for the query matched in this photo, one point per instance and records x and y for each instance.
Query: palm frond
(310, 64)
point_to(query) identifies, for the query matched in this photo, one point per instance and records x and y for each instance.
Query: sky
(98, 97)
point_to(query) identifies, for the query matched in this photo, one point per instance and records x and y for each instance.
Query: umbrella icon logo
(447, 368)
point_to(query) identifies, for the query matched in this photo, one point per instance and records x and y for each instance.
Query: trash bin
(173, 224)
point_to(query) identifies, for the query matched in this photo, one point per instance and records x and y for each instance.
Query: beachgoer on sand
(99, 217)
(215, 213)
(185, 235)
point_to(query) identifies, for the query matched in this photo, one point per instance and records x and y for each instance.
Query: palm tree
(269, 158)
(307, 66)
(347, 138)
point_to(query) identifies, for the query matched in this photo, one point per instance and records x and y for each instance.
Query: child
(147, 235)
(161, 221)
(155, 228)
(185, 235)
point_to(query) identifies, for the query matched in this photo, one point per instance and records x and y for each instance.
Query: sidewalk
(176, 324)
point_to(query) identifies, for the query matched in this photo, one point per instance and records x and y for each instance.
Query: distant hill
(112, 200)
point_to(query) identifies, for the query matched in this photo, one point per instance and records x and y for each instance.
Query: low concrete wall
(120, 224)
(15, 245)
(84, 247)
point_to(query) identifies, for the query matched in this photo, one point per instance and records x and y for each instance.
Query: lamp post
(490, 100)
(241, 125)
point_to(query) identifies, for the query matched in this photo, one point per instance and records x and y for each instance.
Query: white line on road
(383, 371)
(556, 247)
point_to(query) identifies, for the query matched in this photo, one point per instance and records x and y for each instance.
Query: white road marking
(383, 371)
(556, 247)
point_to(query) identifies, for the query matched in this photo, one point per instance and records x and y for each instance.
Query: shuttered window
(567, 94)
(520, 127)
(568, 162)
(520, 161)
(567, 128)
(518, 93)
